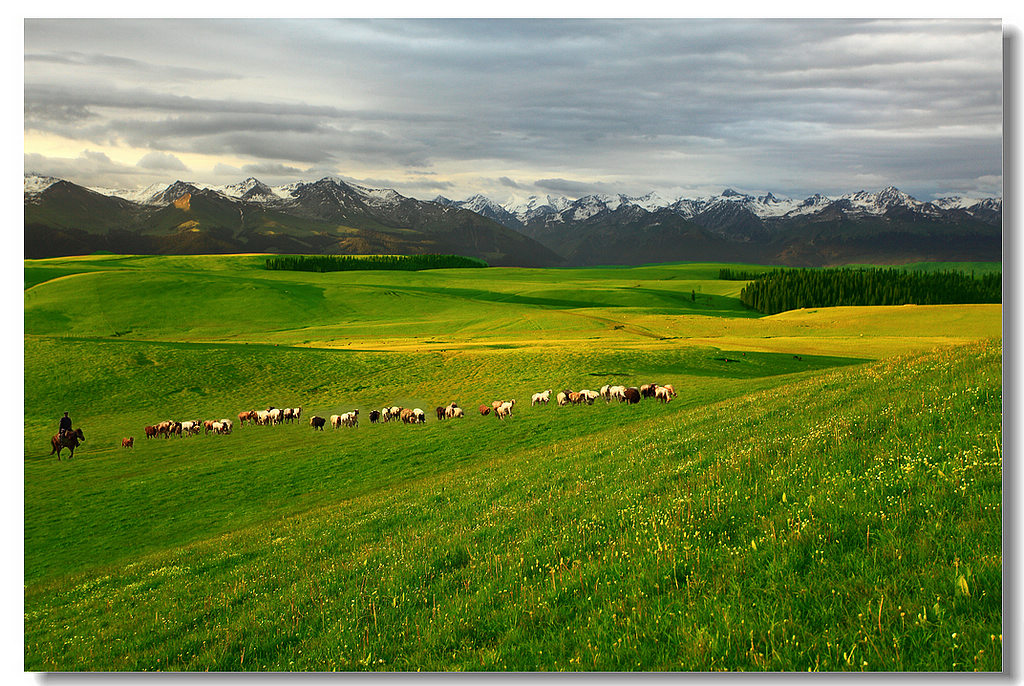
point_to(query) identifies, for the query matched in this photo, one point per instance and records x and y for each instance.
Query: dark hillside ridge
(326, 217)
(331, 217)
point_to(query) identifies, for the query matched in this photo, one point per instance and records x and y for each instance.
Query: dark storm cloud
(131, 66)
(161, 161)
(572, 187)
(573, 103)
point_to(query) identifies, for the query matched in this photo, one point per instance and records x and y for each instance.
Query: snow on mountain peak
(37, 183)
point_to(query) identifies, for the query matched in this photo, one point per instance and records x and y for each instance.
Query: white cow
(505, 409)
(541, 397)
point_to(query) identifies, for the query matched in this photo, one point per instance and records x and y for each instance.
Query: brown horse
(69, 440)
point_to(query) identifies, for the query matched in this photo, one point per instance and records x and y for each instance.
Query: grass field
(823, 493)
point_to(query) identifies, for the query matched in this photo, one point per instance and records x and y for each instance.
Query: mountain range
(331, 216)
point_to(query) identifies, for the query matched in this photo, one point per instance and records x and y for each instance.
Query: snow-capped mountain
(593, 229)
(37, 183)
(767, 207)
(251, 189)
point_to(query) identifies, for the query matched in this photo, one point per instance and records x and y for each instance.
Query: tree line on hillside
(792, 289)
(728, 274)
(340, 263)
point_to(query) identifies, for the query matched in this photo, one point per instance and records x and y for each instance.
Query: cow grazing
(618, 392)
(350, 418)
(631, 395)
(589, 396)
(374, 416)
(505, 409)
(562, 398)
(662, 394)
(419, 416)
(276, 415)
(457, 413)
(575, 398)
(226, 423)
(406, 416)
(335, 421)
(540, 398)
(671, 389)
(484, 410)
(218, 428)
(317, 422)
(495, 404)
(648, 389)
(128, 442)
(286, 414)
(441, 412)
(606, 393)
(452, 410)
(150, 432)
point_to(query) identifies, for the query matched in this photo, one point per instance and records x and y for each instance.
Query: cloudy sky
(520, 107)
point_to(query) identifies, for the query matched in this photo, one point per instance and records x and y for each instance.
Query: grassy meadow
(824, 492)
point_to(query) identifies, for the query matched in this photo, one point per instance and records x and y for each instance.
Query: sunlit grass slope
(112, 503)
(232, 299)
(601, 537)
(845, 520)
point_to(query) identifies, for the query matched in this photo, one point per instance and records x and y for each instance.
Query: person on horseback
(65, 425)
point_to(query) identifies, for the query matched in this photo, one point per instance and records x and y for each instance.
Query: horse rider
(65, 425)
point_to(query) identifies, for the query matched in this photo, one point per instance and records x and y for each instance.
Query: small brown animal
(128, 442)
(484, 410)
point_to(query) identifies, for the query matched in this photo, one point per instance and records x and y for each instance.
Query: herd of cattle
(501, 408)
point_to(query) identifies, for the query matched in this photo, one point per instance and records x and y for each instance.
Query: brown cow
(128, 442)
(150, 432)
(407, 416)
(317, 422)
(632, 395)
(484, 410)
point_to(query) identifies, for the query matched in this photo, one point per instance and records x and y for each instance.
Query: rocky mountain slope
(327, 216)
(331, 216)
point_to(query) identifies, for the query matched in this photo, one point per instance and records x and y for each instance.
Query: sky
(512, 108)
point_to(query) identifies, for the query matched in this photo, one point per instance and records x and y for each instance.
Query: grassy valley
(823, 493)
